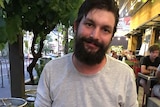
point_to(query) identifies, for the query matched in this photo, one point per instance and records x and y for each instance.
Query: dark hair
(154, 48)
(88, 5)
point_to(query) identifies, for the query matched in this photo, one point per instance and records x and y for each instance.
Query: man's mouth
(92, 42)
(91, 47)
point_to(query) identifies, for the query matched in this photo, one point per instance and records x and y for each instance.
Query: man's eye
(89, 24)
(106, 30)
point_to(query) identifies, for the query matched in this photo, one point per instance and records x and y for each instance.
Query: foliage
(71, 45)
(39, 16)
(39, 66)
(117, 49)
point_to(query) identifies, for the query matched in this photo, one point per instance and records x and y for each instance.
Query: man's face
(93, 36)
(154, 54)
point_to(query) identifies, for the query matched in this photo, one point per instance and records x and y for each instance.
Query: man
(150, 63)
(88, 77)
(149, 66)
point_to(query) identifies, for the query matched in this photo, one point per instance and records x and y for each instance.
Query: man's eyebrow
(104, 26)
(88, 19)
(107, 26)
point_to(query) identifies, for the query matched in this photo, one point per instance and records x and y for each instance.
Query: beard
(86, 56)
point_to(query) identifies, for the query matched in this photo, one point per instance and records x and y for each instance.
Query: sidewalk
(5, 90)
(5, 87)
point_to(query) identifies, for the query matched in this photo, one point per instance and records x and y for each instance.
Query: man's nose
(95, 33)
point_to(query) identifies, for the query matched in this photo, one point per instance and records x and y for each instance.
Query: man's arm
(43, 97)
(131, 98)
(144, 69)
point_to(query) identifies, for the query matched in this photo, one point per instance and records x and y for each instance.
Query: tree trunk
(16, 59)
(66, 41)
(30, 70)
(36, 56)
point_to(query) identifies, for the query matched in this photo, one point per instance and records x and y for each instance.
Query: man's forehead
(101, 16)
(155, 51)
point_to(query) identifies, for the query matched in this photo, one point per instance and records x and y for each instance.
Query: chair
(153, 102)
(138, 84)
(149, 80)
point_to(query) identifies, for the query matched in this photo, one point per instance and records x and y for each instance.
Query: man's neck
(88, 69)
(152, 59)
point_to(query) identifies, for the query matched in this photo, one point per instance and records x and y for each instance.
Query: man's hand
(151, 68)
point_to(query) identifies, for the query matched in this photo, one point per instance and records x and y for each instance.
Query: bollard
(1, 75)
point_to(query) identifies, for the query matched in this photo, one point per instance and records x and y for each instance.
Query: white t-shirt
(61, 85)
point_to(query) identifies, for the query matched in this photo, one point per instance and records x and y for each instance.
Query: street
(5, 91)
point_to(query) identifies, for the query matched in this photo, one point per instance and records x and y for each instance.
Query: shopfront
(145, 27)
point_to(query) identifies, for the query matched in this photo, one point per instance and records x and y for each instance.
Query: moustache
(93, 41)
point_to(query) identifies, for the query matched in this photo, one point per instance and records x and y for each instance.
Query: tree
(38, 16)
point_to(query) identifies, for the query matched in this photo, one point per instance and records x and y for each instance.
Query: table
(12, 102)
(153, 102)
(149, 80)
(30, 92)
(29, 87)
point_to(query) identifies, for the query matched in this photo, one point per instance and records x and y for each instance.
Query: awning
(154, 23)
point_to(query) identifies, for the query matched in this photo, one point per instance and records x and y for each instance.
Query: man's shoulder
(61, 60)
(116, 62)
(146, 57)
(158, 59)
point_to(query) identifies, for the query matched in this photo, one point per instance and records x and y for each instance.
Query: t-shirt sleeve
(43, 96)
(144, 61)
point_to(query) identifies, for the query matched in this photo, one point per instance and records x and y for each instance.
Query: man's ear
(112, 38)
(74, 27)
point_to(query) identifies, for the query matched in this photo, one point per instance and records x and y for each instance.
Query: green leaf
(1, 4)
(7, 1)
(1, 12)
(2, 22)
(2, 45)
(3, 35)
(13, 28)
(25, 8)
